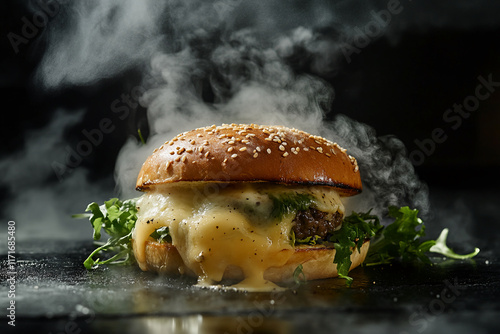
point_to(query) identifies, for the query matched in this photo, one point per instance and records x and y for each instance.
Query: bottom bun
(317, 262)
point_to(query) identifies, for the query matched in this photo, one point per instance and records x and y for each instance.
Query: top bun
(251, 153)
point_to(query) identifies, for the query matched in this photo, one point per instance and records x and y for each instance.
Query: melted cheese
(216, 226)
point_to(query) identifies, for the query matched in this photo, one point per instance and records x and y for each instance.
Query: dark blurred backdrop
(401, 83)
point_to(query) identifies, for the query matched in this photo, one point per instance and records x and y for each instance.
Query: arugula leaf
(398, 241)
(356, 228)
(117, 218)
(439, 246)
(162, 235)
(289, 202)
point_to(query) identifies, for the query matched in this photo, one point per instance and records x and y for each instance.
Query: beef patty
(313, 222)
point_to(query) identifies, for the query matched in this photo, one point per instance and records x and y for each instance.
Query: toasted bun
(317, 262)
(251, 153)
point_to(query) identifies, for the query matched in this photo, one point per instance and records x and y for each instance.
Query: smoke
(249, 83)
(92, 40)
(41, 208)
(203, 63)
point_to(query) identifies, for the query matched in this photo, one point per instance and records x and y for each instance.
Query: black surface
(400, 85)
(54, 293)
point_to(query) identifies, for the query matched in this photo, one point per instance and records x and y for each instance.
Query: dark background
(400, 88)
(401, 84)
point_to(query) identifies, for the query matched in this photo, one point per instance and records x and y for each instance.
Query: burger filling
(315, 223)
(250, 226)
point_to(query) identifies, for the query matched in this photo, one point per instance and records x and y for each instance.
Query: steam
(40, 208)
(99, 39)
(204, 62)
(250, 83)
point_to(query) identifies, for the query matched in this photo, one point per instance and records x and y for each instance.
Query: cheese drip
(219, 226)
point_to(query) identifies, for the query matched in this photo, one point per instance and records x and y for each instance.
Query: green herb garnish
(162, 235)
(117, 218)
(287, 203)
(398, 241)
(356, 228)
(310, 240)
(440, 247)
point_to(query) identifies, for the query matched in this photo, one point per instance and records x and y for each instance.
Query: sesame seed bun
(251, 153)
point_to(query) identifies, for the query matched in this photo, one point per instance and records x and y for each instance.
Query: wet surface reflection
(54, 290)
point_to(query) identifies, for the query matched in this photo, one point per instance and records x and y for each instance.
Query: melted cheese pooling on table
(215, 226)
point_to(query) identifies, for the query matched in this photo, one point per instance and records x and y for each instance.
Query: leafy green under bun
(398, 241)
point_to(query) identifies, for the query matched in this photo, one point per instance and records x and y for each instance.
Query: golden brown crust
(317, 262)
(251, 153)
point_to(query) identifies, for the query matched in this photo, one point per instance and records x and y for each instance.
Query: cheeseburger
(244, 203)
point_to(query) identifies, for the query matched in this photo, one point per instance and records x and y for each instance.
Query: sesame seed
(258, 148)
(172, 152)
(189, 150)
(192, 142)
(234, 155)
(320, 149)
(231, 142)
(206, 154)
(245, 141)
(181, 150)
(199, 135)
(256, 155)
(183, 159)
(243, 149)
(200, 149)
(177, 159)
(282, 148)
(306, 149)
(268, 139)
(285, 154)
(230, 149)
(328, 154)
(269, 151)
